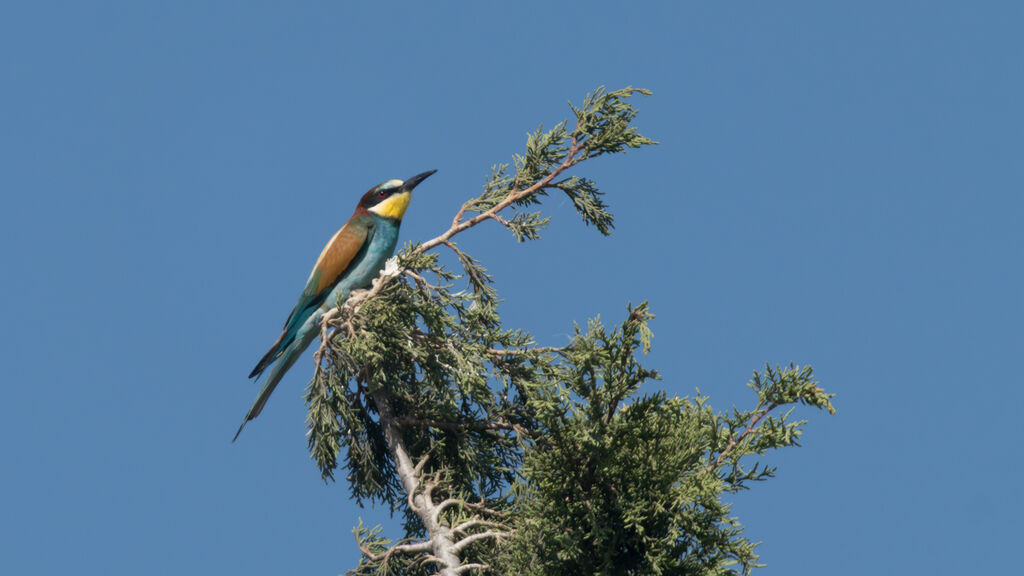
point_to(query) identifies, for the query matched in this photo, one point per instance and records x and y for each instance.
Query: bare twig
(454, 248)
(421, 280)
(461, 544)
(480, 508)
(430, 484)
(477, 522)
(406, 549)
(462, 210)
(444, 505)
(419, 465)
(325, 342)
(427, 558)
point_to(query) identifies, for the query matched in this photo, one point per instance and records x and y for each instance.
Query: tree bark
(441, 538)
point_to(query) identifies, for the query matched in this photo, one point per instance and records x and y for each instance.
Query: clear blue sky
(838, 186)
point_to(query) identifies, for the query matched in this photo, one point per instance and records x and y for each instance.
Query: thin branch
(513, 196)
(461, 544)
(473, 566)
(477, 522)
(480, 507)
(419, 466)
(454, 248)
(476, 507)
(417, 472)
(733, 441)
(325, 342)
(405, 549)
(427, 558)
(444, 505)
(429, 485)
(421, 280)
(462, 210)
(538, 350)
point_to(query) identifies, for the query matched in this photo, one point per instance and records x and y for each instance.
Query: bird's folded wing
(335, 259)
(337, 255)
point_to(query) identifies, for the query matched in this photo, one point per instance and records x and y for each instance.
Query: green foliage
(603, 126)
(523, 459)
(630, 483)
(586, 198)
(428, 347)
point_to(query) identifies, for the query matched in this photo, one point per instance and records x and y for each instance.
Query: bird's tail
(287, 358)
(273, 354)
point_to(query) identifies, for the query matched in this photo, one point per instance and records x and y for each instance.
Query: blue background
(839, 186)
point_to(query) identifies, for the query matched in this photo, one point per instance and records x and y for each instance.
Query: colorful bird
(350, 261)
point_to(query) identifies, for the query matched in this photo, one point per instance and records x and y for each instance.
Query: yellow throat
(393, 206)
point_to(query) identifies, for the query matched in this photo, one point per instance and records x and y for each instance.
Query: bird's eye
(382, 194)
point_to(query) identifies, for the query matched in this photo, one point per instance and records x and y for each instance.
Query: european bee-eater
(350, 261)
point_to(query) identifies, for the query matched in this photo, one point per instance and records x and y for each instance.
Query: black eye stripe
(379, 194)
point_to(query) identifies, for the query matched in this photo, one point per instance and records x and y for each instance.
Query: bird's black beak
(415, 180)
